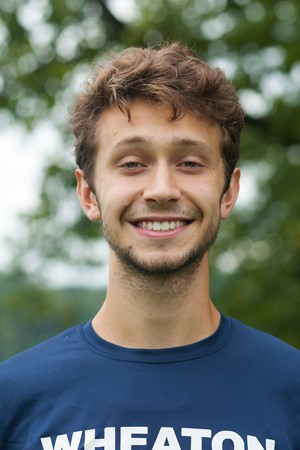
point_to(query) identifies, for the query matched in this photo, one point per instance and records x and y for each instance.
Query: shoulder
(41, 360)
(268, 367)
(264, 349)
(32, 380)
(258, 338)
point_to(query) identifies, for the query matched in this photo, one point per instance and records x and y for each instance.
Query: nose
(161, 185)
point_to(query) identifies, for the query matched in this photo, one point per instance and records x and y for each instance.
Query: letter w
(62, 442)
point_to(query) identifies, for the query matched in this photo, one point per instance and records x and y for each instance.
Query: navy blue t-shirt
(239, 389)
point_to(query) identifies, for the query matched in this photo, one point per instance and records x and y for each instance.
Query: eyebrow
(131, 140)
(187, 142)
(178, 142)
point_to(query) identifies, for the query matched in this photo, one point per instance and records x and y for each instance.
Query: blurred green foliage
(32, 313)
(46, 47)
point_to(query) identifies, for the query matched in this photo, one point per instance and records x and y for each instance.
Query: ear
(230, 196)
(86, 197)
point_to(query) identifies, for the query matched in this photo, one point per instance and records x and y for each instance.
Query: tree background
(46, 48)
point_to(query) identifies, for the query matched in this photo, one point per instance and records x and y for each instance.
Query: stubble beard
(163, 268)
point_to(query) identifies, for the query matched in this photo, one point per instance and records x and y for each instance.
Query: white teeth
(161, 226)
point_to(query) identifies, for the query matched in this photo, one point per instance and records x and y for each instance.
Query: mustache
(189, 213)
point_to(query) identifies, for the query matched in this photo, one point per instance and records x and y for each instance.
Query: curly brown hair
(170, 75)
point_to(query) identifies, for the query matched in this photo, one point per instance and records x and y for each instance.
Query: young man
(157, 141)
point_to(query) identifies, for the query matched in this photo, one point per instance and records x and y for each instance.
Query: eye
(131, 166)
(190, 164)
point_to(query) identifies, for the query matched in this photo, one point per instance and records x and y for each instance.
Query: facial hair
(163, 267)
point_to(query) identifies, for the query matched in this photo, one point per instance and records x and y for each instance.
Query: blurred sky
(23, 156)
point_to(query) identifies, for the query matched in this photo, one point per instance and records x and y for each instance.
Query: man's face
(158, 187)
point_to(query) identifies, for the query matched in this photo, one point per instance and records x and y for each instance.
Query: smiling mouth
(161, 226)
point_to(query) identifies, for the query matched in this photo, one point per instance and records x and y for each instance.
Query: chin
(160, 266)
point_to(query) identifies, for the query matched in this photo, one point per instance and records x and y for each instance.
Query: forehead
(151, 124)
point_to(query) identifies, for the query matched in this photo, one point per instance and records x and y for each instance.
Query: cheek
(115, 199)
(207, 195)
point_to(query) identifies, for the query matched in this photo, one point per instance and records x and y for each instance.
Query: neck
(157, 311)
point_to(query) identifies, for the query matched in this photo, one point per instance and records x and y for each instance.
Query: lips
(164, 225)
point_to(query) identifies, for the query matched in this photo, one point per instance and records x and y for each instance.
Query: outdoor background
(53, 262)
